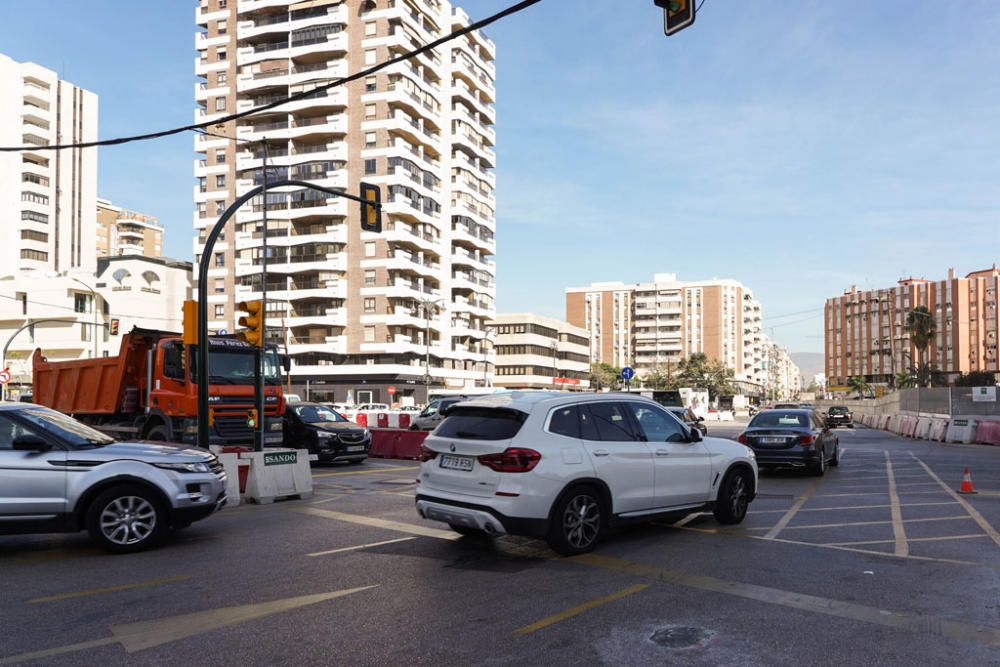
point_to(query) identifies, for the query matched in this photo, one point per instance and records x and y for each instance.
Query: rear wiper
(466, 434)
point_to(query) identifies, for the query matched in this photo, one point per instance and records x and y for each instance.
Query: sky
(799, 147)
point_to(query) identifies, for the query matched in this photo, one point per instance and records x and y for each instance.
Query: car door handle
(662, 452)
(601, 452)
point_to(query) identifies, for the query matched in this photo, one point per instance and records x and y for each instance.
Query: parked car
(372, 407)
(409, 408)
(292, 398)
(340, 408)
(59, 475)
(569, 468)
(792, 438)
(690, 419)
(839, 415)
(434, 413)
(326, 433)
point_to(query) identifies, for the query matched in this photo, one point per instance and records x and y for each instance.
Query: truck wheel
(158, 434)
(126, 518)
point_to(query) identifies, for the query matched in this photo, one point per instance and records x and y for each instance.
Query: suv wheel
(835, 461)
(126, 518)
(577, 522)
(734, 498)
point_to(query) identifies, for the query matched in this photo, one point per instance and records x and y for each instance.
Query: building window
(220, 157)
(41, 199)
(371, 166)
(371, 84)
(220, 54)
(222, 4)
(220, 207)
(370, 249)
(36, 255)
(220, 286)
(371, 29)
(370, 111)
(32, 235)
(369, 305)
(369, 277)
(220, 181)
(220, 259)
(85, 331)
(220, 103)
(221, 78)
(220, 311)
(81, 303)
(370, 56)
(34, 216)
(369, 334)
(371, 140)
(221, 27)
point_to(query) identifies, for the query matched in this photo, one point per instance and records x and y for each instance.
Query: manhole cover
(680, 636)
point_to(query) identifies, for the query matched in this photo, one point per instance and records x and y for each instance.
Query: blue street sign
(223, 332)
(628, 373)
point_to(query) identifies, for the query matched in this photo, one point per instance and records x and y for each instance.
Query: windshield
(838, 411)
(314, 414)
(780, 419)
(65, 428)
(237, 367)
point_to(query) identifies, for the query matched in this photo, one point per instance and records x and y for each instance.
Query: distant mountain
(809, 363)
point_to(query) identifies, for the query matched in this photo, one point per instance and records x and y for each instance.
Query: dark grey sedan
(792, 438)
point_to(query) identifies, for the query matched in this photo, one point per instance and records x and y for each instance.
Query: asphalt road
(877, 563)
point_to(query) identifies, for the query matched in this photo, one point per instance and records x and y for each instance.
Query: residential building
(124, 232)
(351, 305)
(47, 198)
(657, 324)
(865, 330)
(784, 381)
(537, 352)
(130, 289)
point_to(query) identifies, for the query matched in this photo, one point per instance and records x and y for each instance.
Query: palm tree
(922, 327)
(905, 380)
(858, 384)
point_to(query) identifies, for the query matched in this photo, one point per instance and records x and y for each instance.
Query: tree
(697, 370)
(604, 376)
(905, 380)
(976, 379)
(859, 384)
(661, 377)
(922, 327)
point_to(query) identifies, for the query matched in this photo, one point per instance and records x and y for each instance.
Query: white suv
(567, 468)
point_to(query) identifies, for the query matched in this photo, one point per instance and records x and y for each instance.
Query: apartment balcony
(330, 44)
(401, 316)
(334, 234)
(400, 261)
(473, 306)
(402, 289)
(476, 79)
(468, 238)
(412, 211)
(399, 233)
(461, 256)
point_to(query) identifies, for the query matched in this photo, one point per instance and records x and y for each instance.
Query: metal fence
(934, 401)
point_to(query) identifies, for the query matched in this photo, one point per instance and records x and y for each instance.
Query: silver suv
(58, 475)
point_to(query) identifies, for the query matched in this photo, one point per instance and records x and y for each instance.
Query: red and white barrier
(988, 433)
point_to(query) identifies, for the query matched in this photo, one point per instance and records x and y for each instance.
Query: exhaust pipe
(491, 529)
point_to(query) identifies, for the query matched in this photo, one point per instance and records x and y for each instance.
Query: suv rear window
(838, 410)
(469, 423)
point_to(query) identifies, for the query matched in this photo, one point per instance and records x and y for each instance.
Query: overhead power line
(472, 27)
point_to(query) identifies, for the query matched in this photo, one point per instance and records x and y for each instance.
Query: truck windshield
(237, 367)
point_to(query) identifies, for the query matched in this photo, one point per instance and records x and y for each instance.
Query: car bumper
(839, 422)
(340, 452)
(191, 514)
(788, 458)
(478, 517)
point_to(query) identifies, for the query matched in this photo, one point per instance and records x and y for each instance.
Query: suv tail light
(807, 440)
(427, 454)
(512, 459)
(742, 438)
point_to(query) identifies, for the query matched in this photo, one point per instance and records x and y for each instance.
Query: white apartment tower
(358, 311)
(48, 199)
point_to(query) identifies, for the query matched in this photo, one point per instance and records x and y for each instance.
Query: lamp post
(93, 305)
(426, 304)
(555, 361)
(486, 354)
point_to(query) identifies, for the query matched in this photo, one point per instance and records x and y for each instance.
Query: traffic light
(253, 322)
(371, 208)
(677, 14)
(113, 327)
(252, 418)
(190, 336)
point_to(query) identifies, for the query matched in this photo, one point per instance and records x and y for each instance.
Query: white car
(373, 407)
(568, 468)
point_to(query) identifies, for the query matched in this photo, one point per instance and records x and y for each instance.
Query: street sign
(223, 332)
(280, 458)
(628, 373)
(5, 376)
(392, 391)
(677, 14)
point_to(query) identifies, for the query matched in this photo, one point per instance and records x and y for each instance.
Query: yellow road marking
(360, 546)
(109, 589)
(901, 548)
(579, 609)
(793, 510)
(917, 623)
(365, 472)
(976, 516)
(912, 539)
(387, 524)
(870, 523)
(688, 519)
(330, 499)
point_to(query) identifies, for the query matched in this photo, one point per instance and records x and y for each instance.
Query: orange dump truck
(150, 390)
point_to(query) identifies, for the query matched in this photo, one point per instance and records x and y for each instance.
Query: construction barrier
(962, 430)
(396, 444)
(938, 429)
(404, 420)
(923, 428)
(988, 433)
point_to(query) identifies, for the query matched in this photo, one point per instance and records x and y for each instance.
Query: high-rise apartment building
(866, 330)
(124, 232)
(659, 323)
(537, 352)
(359, 311)
(47, 198)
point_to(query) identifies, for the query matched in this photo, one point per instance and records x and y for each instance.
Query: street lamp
(93, 305)
(555, 360)
(486, 354)
(426, 304)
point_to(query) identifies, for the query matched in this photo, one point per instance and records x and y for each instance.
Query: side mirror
(694, 435)
(30, 443)
(700, 419)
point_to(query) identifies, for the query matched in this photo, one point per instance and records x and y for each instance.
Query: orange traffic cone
(967, 483)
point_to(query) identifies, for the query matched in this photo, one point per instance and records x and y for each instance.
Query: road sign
(223, 332)
(392, 391)
(628, 373)
(5, 376)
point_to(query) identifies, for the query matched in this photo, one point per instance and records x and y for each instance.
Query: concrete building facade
(124, 232)
(865, 332)
(537, 352)
(359, 312)
(48, 215)
(659, 323)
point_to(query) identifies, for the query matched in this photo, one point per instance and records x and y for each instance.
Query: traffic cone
(967, 483)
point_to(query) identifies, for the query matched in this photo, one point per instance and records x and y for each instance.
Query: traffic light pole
(205, 264)
(258, 439)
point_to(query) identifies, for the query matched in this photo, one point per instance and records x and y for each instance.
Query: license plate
(456, 462)
(771, 441)
(358, 448)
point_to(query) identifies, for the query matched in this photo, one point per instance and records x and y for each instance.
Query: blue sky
(795, 146)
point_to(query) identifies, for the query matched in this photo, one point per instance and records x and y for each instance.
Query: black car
(326, 433)
(792, 438)
(839, 415)
(688, 416)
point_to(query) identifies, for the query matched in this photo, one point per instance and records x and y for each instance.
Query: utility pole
(427, 304)
(555, 361)
(486, 355)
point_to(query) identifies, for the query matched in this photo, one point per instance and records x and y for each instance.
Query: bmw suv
(569, 468)
(58, 475)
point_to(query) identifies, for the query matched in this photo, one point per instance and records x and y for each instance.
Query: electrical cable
(63, 307)
(472, 27)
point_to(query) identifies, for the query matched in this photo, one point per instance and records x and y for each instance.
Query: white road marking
(360, 546)
(976, 516)
(898, 531)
